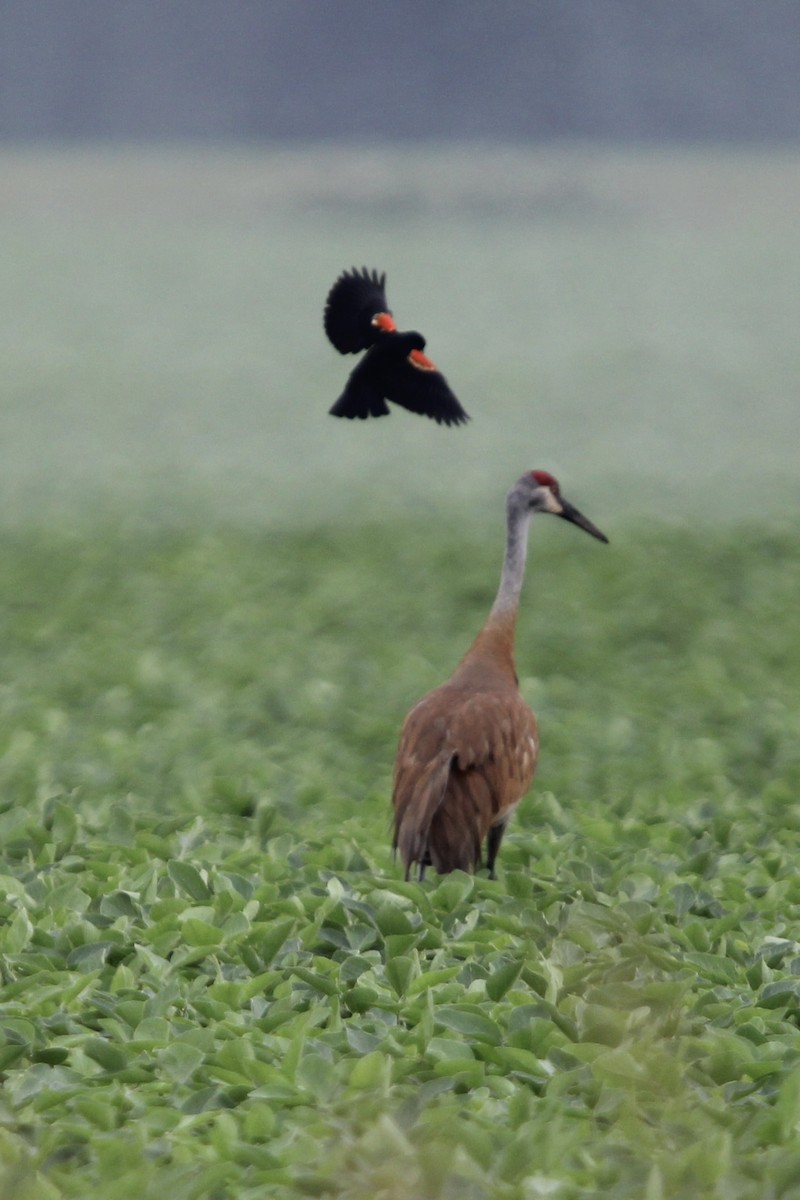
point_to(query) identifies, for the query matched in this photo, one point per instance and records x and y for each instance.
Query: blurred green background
(625, 318)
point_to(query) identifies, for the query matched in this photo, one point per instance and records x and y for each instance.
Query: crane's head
(539, 492)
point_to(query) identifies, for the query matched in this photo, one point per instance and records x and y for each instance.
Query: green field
(217, 605)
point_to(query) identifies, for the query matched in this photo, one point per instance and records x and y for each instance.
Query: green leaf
(64, 823)
(316, 1074)
(400, 972)
(359, 999)
(10, 886)
(372, 1072)
(599, 1023)
(502, 979)
(400, 943)
(120, 904)
(189, 880)
(109, 1056)
(390, 919)
(200, 933)
(19, 1030)
(121, 827)
(270, 941)
(18, 934)
(153, 1029)
(466, 1072)
(180, 1060)
(521, 1062)
(713, 966)
(447, 1050)
(619, 1068)
(470, 1023)
(97, 1111)
(90, 957)
(360, 936)
(321, 983)
(684, 898)
(432, 979)
(54, 1055)
(353, 967)
(452, 891)
(10, 1053)
(784, 993)
(235, 926)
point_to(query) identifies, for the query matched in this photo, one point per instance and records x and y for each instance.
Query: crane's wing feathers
(465, 760)
(352, 302)
(422, 390)
(497, 727)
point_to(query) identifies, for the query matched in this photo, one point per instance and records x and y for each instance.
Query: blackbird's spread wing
(422, 390)
(388, 372)
(352, 302)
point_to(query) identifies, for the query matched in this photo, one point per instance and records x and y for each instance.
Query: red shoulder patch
(421, 361)
(385, 322)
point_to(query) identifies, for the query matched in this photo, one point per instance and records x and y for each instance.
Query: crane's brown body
(468, 749)
(467, 756)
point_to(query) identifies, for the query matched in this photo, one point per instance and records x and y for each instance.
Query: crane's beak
(570, 513)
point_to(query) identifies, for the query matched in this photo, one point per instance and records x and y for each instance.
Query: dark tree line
(310, 69)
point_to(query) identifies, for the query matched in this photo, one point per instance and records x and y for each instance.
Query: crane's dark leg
(421, 865)
(493, 840)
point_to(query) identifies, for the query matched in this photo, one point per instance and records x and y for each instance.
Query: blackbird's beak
(570, 513)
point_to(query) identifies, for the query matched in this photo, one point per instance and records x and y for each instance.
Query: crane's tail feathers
(454, 841)
(414, 816)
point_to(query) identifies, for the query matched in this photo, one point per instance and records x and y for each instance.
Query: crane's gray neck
(518, 519)
(491, 655)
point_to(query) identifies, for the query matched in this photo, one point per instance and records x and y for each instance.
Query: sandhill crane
(468, 749)
(357, 317)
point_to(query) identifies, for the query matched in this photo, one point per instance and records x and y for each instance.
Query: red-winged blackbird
(357, 317)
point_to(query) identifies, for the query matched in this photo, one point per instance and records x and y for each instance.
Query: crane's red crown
(545, 479)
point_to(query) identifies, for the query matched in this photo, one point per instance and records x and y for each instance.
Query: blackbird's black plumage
(355, 298)
(357, 317)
